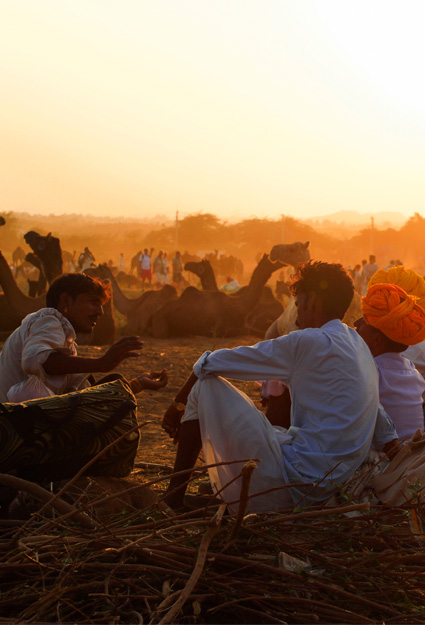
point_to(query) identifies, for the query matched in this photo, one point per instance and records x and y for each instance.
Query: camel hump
(167, 292)
(189, 292)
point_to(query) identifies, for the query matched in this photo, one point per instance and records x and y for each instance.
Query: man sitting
(392, 320)
(335, 413)
(40, 357)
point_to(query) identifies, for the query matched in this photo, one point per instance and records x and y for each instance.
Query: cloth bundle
(52, 438)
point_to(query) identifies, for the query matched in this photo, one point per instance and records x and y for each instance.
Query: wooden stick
(197, 571)
(247, 471)
(45, 497)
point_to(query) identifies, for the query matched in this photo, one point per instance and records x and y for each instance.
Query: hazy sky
(236, 107)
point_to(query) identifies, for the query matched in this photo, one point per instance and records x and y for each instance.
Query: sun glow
(237, 108)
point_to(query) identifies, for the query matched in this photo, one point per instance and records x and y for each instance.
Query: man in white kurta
(392, 320)
(40, 357)
(335, 414)
(22, 375)
(327, 439)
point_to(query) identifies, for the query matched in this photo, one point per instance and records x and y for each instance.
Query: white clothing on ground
(231, 287)
(401, 392)
(335, 413)
(22, 375)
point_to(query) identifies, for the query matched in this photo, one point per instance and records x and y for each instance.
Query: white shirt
(22, 375)
(333, 379)
(145, 261)
(401, 391)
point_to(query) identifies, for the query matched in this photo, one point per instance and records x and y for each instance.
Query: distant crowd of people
(363, 272)
(159, 267)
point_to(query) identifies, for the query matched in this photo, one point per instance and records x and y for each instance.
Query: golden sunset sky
(235, 107)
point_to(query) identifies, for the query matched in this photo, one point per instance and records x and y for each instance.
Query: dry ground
(177, 356)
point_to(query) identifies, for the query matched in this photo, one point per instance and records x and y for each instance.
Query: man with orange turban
(392, 320)
(413, 284)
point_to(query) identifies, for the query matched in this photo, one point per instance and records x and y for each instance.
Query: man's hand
(119, 351)
(173, 415)
(153, 381)
(171, 421)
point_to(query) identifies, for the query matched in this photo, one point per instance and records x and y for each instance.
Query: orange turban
(407, 279)
(390, 309)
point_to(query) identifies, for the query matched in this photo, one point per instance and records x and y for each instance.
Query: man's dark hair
(330, 281)
(74, 284)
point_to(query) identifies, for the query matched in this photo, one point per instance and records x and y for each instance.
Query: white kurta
(22, 375)
(333, 382)
(401, 392)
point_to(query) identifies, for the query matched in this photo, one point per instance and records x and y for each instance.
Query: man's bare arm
(183, 393)
(59, 363)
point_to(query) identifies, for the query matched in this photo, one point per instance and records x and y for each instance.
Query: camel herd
(161, 313)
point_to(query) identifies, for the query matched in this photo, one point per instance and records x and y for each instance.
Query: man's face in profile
(304, 304)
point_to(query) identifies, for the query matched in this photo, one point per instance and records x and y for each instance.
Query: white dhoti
(233, 428)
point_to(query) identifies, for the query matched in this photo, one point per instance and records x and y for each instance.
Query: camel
(266, 311)
(48, 250)
(212, 312)
(18, 305)
(2, 220)
(135, 263)
(205, 272)
(128, 281)
(138, 311)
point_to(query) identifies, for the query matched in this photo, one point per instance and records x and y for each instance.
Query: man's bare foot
(171, 421)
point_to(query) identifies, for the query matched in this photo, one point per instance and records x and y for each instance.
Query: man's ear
(380, 341)
(315, 302)
(65, 300)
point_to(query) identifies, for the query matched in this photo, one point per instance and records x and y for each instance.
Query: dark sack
(54, 437)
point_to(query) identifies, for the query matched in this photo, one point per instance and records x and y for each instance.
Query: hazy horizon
(234, 108)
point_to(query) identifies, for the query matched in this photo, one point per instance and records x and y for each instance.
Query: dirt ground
(177, 356)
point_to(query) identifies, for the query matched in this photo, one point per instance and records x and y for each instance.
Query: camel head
(198, 268)
(2, 220)
(291, 253)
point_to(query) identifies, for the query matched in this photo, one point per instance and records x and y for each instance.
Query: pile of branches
(352, 564)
